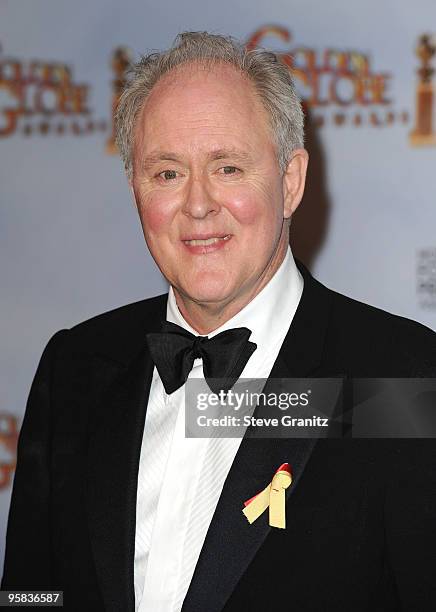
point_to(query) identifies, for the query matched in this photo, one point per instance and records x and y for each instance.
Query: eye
(229, 170)
(168, 175)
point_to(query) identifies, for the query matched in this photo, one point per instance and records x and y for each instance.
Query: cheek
(253, 207)
(156, 215)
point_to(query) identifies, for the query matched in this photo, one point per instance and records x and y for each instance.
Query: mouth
(206, 241)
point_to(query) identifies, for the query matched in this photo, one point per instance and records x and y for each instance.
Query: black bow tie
(224, 356)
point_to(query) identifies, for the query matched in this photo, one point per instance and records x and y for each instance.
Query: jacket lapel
(231, 542)
(113, 459)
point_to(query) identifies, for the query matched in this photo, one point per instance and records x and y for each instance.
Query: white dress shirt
(177, 492)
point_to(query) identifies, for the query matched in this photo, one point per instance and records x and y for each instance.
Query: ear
(294, 179)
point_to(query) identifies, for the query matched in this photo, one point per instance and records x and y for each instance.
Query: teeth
(205, 242)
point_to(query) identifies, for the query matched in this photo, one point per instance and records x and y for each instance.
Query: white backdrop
(71, 244)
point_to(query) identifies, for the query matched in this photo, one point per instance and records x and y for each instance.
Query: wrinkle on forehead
(196, 101)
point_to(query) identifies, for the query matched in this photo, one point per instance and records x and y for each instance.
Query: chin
(206, 291)
(203, 296)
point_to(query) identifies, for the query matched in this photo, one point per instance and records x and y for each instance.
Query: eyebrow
(236, 154)
(158, 156)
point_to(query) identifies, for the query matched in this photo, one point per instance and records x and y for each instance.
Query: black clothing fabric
(360, 514)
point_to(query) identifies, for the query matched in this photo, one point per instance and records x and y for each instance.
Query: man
(111, 503)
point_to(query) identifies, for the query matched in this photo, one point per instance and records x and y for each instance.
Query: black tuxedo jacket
(361, 514)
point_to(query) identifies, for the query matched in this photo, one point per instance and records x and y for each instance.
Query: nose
(198, 200)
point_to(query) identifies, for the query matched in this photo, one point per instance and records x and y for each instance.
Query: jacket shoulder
(399, 345)
(122, 315)
(118, 333)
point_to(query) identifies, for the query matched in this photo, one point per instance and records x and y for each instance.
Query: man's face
(208, 187)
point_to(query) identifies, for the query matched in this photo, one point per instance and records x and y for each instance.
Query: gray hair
(271, 78)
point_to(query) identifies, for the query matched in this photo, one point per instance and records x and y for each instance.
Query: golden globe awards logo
(339, 86)
(424, 132)
(43, 98)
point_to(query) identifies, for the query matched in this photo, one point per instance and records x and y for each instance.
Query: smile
(207, 241)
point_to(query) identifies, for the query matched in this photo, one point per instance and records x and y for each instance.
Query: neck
(205, 317)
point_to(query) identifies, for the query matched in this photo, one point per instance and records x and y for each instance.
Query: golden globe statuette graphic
(423, 133)
(8, 448)
(121, 60)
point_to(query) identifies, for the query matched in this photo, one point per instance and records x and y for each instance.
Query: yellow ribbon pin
(273, 496)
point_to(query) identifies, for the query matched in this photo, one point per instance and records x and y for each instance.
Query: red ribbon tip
(283, 468)
(250, 500)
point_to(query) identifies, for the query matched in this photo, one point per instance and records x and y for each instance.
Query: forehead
(201, 106)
